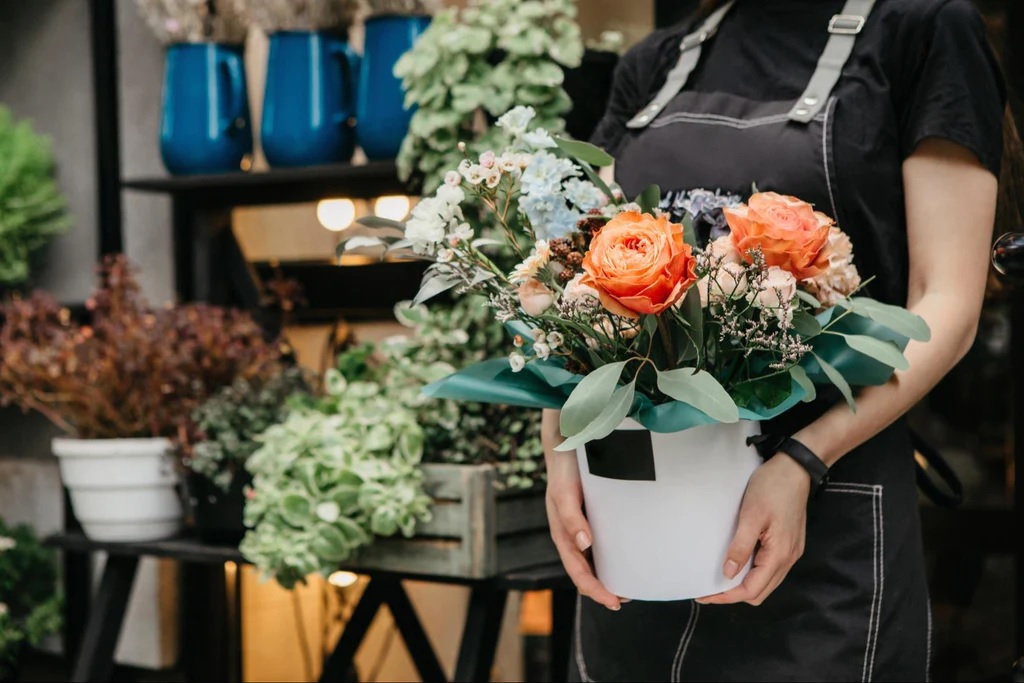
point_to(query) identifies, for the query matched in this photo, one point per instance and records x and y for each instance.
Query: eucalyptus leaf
(649, 199)
(799, 376)
(615, 410)
(378, 222)
(838, 380)
(808, 299)
(701, 390)
(585, 152)
(805, 324)
(590, 397)
(881, 350)
(895, 318)
(434, 286)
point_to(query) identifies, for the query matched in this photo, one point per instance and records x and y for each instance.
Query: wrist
(792, 470)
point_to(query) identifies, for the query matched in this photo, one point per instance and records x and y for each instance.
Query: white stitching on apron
(928, 650)
(580, 663)
(825, 139)
(721, 120)
(684, 642)
(878, 560)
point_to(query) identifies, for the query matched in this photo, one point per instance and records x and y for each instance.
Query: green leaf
(650, 325)
(837, 379)
(584, 151)
(614, 412)
(694, 316)
(354, 534)
(590, 397)
(701, 390)
(689, 232)
(649, 199)
(808, 299)
(881, 350)
(378, 222)
(895, 318)
(296, 509)
(799, 376)
(331, 545)
(805, 324)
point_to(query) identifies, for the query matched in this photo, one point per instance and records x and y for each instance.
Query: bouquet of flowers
(615, 311)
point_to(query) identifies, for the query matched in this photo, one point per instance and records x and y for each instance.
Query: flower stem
(666, 340)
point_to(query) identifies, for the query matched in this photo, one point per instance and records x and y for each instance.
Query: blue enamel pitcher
(309, 102)
(382, 116)
(204, 124)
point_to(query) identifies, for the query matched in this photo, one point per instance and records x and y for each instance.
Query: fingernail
(615, 608)
(731, 569)
(582, 541)
(624, 600)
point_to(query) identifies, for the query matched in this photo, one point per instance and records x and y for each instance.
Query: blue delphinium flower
(515, 120)
(545, 174)
(584, 194)
(550, 216)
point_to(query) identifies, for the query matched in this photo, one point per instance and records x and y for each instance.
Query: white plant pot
(122, 489)
(663, 507)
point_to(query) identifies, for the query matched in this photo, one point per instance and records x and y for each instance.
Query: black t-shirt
(936, 67)
(920, 69)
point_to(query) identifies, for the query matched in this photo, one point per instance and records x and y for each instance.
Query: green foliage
(29, 604)
(32, 209)
(338, 471)
(488, 57)
(443, 339)
(229, 422)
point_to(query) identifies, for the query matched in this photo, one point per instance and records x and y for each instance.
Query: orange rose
(790, 233)
(639, 264)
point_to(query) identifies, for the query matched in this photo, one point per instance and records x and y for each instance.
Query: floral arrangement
(134, 371)
(336, 472)
(298, 15)
(617, 311)
(403, 7)
(32, 209)
(480, 60)
(30, 608)
(443, 339)
(194, 21)
(226, 424)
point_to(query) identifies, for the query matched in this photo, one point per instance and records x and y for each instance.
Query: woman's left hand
(774, 513)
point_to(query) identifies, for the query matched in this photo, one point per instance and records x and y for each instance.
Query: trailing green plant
(338, 471)
(227, 424)
(444, 339)
(484, 58)
(32, 208)
(30, 607)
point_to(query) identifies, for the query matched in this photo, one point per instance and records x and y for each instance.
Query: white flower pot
(122, 489)
(663, 507)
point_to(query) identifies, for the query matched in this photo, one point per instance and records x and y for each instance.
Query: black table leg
(563, 617)
(416, 640)
(339, 664)
(480, 637)
(95, 660)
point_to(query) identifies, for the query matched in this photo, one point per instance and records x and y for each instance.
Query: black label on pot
(626, 455)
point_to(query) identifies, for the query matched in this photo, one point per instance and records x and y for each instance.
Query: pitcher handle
(350, 63)
(231, 64)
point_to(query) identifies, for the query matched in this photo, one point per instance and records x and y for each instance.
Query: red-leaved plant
(135, 371)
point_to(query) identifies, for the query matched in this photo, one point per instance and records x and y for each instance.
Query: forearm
(953, 323)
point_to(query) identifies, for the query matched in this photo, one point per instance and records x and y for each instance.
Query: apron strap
(844, 29)
(690, 47)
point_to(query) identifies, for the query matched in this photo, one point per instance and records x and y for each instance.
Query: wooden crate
(476, 532)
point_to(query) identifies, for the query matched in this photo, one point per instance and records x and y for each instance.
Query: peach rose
(639, 264)
(789, 232)
(535, 297)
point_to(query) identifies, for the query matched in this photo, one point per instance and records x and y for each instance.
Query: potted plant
(30, 607)
(32, 209)
(472, 65)
(121, 388)
(205, 116)
(225, 428)
(338, 471)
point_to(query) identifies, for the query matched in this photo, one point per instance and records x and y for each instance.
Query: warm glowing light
(393, 207)
(336, 214)
(342, 579)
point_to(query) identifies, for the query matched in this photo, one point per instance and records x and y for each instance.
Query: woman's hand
(774, 512)
(569, 528)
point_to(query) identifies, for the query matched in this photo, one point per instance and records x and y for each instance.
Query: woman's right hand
(569, 528)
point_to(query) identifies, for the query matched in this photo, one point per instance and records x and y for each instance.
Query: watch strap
(768, 445)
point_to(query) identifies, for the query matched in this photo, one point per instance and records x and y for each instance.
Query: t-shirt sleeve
(625, 100)
(953, 87)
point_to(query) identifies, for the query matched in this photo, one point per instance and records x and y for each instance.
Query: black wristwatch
(768, 445)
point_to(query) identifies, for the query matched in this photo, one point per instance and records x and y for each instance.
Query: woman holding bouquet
(888, 116)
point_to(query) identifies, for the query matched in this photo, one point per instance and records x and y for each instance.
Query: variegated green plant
(484, 59)
(337, 472)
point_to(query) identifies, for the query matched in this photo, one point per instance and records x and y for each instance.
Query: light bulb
(394, 207)
(342, 579)
(336, 214)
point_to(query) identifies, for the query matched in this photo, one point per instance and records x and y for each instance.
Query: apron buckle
(846, 24)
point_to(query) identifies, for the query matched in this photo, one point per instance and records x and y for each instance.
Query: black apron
(855, 606)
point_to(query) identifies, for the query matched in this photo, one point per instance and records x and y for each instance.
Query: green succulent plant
(337, 472)
(32, 209)
(484, 59)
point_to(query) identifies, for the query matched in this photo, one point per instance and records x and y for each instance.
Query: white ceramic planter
(663, 507)
(122, 489)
